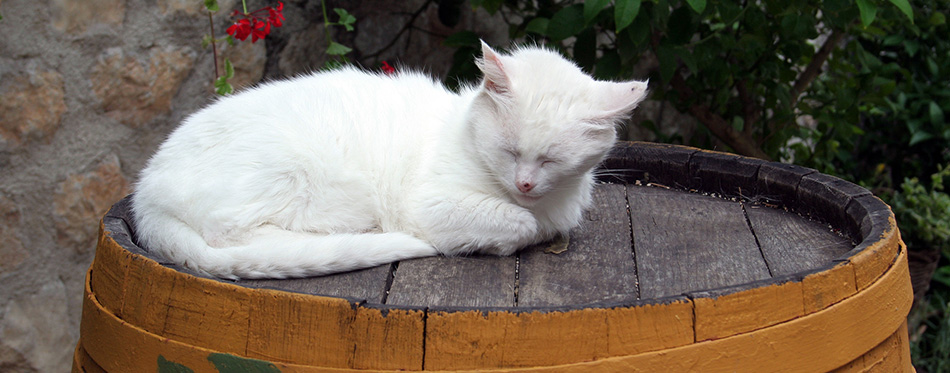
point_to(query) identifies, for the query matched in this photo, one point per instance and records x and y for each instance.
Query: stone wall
(88, 89)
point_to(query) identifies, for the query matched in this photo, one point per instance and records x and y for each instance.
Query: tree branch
(808, 76)
(814, 67)
(750, 110)
(740, 142)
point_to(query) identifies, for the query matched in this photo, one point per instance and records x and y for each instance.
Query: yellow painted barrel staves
(690, 261)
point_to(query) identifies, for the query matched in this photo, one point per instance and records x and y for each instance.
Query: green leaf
(346, 19)
(538, 26)
(684, 28)
(911, 47)
(608, 66)
(905, 8)
(932, 66)
(688, 58)
(462, 39)
(592, 9)
(667, 58)
(212, 5)
(332, 65)
(942, 275)
(566, 22)
(228, 69)
(738, 123)
(337, 49)
(222, 87)
(206, 41)
(868, 12)
(625, 12)
(920, 136)
(698, 5)
(937, 19)
(639, 31)
(936, 114)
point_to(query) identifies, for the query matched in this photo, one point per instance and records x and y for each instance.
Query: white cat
(347, 169)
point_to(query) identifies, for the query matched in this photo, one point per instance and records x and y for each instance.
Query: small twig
(214, 47)
(326, 22)
(405, 28)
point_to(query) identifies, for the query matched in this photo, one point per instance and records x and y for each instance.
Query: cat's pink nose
(525, 186)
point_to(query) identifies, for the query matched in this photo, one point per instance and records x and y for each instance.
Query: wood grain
(368, 284)
(473, 281)
(793, 244)
(685, 241)
(598, 265)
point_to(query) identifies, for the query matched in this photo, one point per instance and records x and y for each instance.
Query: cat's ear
(496, 80)
(619, 99)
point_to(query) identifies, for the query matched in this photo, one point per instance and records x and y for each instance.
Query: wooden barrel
(690, 260)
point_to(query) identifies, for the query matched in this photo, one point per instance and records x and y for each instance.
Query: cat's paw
(521, 221)
(522, 230)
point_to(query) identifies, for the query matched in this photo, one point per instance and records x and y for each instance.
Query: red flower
(276, 16)
(388, 70)
(240, 29)
(255, 26)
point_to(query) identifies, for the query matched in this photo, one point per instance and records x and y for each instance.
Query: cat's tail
(272, 252)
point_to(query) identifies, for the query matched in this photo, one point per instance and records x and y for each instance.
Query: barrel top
(667, 223)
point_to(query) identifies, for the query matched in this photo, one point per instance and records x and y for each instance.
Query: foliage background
(857, 89)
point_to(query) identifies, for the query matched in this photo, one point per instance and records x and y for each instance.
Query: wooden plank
(688, 242)
(793, 244)
(598, 265)
(777, 183)
(827, 197)
(471, 281)
(368, 284)
(724, 173)
(650, 163)
(725, 312)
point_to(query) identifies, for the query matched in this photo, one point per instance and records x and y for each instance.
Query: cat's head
(539, 123)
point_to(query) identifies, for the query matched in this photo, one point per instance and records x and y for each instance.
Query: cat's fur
(346, 169)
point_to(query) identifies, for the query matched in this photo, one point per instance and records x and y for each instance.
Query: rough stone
(12, 252)
(75, 17)
(248, 60)
(31, 108)
(134, 91)
(82, 199)
(191, 7)
(32, 330)
(305, 51)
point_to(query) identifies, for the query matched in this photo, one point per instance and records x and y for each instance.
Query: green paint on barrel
(165, 366)
(227, 363)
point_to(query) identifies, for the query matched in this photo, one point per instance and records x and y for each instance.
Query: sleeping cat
(347, 169)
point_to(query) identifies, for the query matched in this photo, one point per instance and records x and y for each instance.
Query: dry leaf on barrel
(558, 245)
